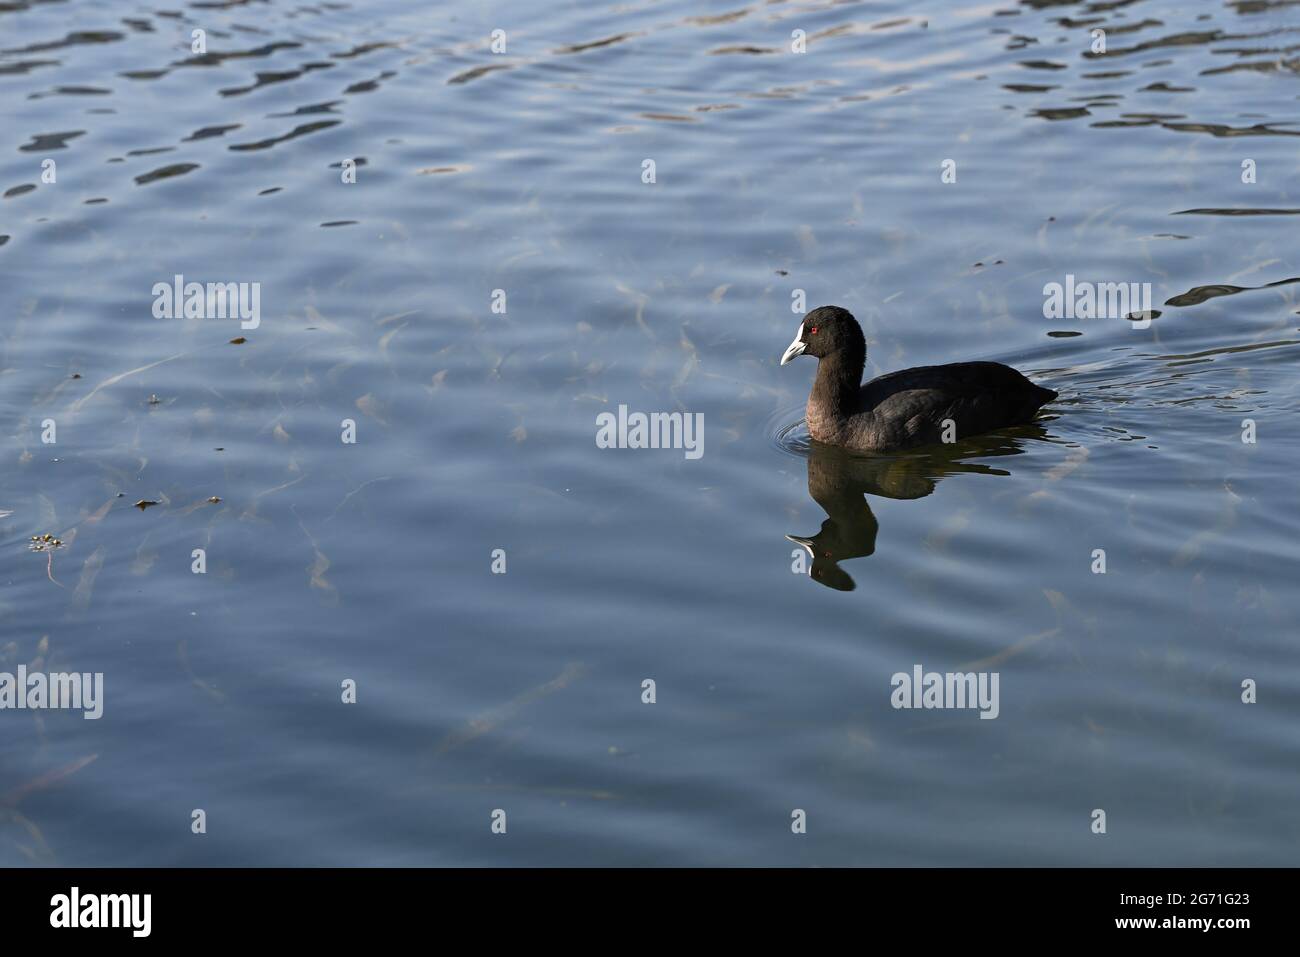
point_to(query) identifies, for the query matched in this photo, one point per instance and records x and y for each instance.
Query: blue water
(522, 171)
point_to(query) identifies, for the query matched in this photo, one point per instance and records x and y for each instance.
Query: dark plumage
(901, 410)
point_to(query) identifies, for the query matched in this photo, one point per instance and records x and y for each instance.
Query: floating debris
(47, 543)
(44, 543)
(144, 503)
(238, 341)
(154, 400)
(215, 500)
(76, 406)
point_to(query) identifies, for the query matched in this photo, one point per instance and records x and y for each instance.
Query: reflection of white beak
(796, 348)
(805, 542)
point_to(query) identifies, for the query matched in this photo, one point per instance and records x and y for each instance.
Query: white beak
(796, 348)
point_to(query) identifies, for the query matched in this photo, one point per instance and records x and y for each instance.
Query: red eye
(814, 330)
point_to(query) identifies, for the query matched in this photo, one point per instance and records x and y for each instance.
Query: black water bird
(905, 409)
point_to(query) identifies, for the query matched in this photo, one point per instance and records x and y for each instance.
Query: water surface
(522, 171)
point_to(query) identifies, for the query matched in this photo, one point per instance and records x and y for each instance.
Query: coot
(901, 410)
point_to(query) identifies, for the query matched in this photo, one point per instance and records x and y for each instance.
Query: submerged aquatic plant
(47, 543)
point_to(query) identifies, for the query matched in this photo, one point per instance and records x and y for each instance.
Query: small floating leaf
(44, 543)
(238, 341)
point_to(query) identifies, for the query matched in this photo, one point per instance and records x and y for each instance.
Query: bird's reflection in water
(839, 480)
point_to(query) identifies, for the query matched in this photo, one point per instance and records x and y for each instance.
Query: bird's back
(913, 407)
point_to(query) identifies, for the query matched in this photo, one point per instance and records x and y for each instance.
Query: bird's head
(825, 331)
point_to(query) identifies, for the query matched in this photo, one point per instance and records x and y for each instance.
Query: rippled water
(522, 171)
